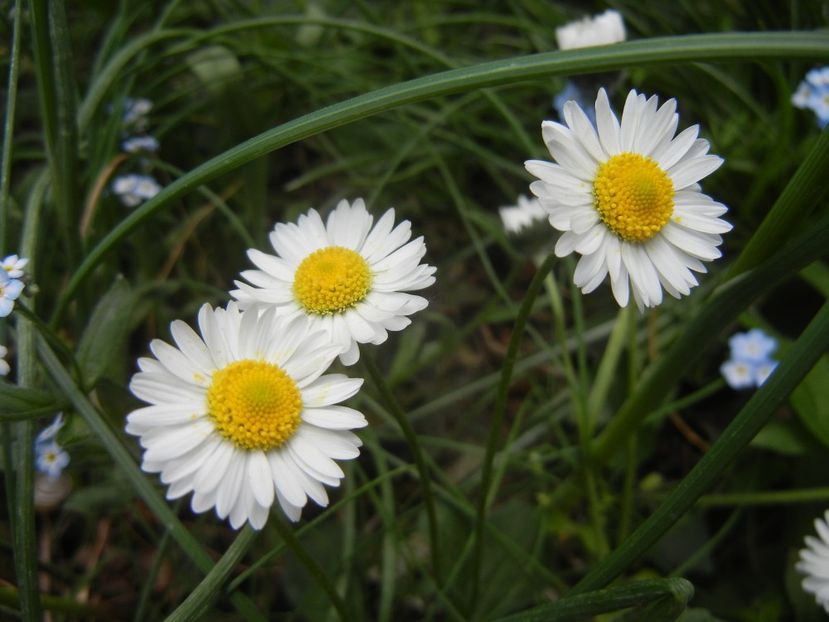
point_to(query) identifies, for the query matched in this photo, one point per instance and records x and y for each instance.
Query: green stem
(198, 603)
(806, 351)
(414, 446)
(498, 415)
(8, 126)
(75, 610)
(793, 207)
(736, 46)
(57, 101)
(317, 573)
(768, 497)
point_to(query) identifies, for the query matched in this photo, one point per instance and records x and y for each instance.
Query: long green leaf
(675, 592)
(716, 47)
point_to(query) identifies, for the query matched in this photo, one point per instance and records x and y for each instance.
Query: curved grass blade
(736, 46)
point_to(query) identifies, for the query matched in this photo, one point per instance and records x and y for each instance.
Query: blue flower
(572, 92)
(138, 144)
(813, 93)
(13, 265)
(10, 290)
(134, 189)
(50, 432)
(750, 363)
(755, 346)
(51, 458)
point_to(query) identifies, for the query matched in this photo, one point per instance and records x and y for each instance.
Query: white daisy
(10, 290)
(347, 276)
(242, 415)
(601, 29)
(518, 217)
(814, 563)
(627, 199)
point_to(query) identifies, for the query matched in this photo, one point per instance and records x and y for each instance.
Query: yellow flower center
(634, 197)
(254, 404)
(331, 280)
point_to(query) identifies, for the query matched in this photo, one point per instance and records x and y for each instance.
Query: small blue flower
(135, 113)
(755, 346)
(138, 144)
(51, 459)
(813, 93)
(738, 374)
(13, 265)
(10, 290)
(134, 189)
(750, 363)
(572, 92)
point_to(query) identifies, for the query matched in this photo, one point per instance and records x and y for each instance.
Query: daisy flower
(814, 563)
(10, 290)
(516, 218)
(13, 265)
(347, 276)
(50, 458)
(242, 415)
(625, 196)
(602, 29)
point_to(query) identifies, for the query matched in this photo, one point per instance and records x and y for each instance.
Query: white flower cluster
(242, 414)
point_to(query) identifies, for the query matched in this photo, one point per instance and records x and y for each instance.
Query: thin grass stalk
(417, 453)
(7, 430)
(54, 106)
(497, 418)
(25, 552)
(810, 346)
(313, 568)
(767, 497)
(199, 601)
(140, 484)
(666, 50)
(801, 196)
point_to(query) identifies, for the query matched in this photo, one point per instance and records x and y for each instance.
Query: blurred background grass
(446, 165)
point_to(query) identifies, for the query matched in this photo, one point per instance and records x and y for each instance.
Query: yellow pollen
(254, 404)
(331, 280)
(634, 197)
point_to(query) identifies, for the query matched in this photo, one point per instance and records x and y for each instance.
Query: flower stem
(498, 416)
(313, 567)
(422, 469)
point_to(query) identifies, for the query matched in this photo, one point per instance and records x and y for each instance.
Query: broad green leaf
(809, 400)
(106, 331)
(18, 403)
